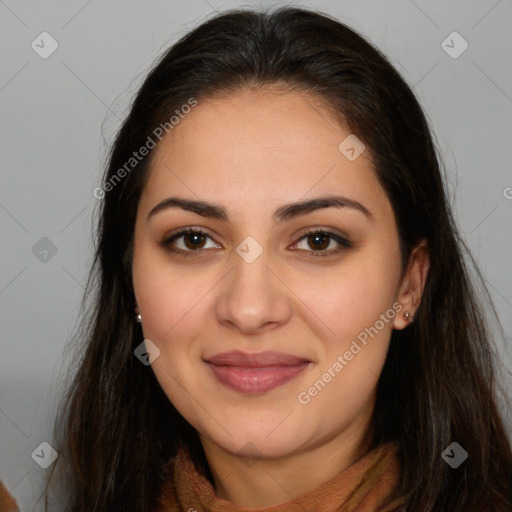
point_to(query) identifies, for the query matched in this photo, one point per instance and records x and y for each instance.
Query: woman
(274, 225)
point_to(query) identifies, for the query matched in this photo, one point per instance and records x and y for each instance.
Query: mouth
(255, 373)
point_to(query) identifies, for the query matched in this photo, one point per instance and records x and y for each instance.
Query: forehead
(260, 147)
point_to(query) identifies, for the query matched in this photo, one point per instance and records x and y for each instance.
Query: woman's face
(271, 340)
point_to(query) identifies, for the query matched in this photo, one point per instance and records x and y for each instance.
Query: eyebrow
(283, 213)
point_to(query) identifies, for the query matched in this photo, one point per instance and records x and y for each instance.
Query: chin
(258, 444)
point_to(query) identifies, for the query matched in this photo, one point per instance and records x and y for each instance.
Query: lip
(256, 372)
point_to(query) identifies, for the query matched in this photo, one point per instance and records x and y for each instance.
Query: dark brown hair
(117, 431)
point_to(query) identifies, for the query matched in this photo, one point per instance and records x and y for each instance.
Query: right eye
(193, 240)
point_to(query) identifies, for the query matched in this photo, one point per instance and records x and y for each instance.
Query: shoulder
(7, 502)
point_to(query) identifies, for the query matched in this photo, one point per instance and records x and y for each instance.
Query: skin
(252, 152)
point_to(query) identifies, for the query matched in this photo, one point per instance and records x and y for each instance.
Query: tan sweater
(363, 487)
(7, 503)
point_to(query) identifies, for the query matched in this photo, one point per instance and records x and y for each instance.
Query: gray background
(58, 116)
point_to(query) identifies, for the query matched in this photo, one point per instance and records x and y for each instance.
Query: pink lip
(255, 372)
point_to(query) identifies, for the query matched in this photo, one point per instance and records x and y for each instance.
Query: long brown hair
(117, 432)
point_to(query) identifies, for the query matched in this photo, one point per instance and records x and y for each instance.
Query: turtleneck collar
(365, 486)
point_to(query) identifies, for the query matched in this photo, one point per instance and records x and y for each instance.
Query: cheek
(357, 304)
(169, 297)
(358, 309)
(172, 302)
(350, 297)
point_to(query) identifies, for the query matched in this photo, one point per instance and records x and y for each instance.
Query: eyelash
(343, 242)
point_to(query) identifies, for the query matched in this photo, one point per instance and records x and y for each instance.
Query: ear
(413, 283)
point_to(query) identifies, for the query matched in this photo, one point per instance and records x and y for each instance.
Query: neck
(259, 483)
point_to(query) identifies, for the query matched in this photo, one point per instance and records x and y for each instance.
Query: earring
(408, 317)
(138, 318)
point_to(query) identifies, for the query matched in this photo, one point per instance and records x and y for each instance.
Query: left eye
(318, 241)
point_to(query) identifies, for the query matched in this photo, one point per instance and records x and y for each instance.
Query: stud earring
(408, 317)
(138, 318)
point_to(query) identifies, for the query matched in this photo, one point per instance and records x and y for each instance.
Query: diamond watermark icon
(249, 250)
(44, 250)
(351, 147)
(45, 455)
(252, 459)
(44, 45)
(454, 455)
(146, 352)
(454, 45)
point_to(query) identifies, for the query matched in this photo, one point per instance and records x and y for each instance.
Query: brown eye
(188, 241)
(194, 240)
(318, 241)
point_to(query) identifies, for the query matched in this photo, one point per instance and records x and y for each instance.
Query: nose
(253, 298)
